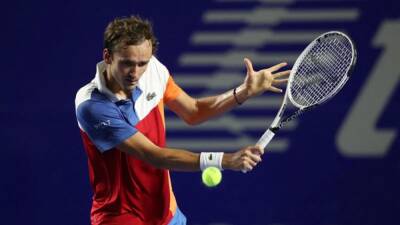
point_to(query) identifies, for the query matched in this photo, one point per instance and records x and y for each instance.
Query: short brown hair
(125, 31)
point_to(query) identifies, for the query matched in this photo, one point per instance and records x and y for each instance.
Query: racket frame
(278, 121)
(299, 60)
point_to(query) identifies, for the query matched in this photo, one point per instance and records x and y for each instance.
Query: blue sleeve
(104, 124)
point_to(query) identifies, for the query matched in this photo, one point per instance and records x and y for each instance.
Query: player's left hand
(257, 82)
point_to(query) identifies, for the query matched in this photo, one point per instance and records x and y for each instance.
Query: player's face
(129, 64)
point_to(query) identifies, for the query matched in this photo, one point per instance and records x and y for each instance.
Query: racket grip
(265, 138)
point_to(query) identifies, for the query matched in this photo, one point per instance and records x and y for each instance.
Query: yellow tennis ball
(211, 176)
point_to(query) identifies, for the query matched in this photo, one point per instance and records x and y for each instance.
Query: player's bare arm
(195, 111)
(182, 160)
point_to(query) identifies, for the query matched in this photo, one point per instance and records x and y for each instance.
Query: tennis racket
(318, 74)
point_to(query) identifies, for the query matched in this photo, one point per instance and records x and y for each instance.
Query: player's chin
(130, 86)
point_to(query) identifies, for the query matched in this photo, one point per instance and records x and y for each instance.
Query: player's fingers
(251, 162)
(246, 152)
(255, 158)
(249, 65)
(275, 89)
(251, 158)
(247, 166)
(256, 150)
(282, 74)
(277, 67)
(280, 81)
(259, 151)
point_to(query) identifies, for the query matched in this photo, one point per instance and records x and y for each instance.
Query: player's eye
(127, 63)
(141, 64)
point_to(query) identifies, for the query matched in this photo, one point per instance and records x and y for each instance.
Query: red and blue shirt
(126, 189)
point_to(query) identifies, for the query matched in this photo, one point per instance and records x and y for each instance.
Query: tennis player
(121, 117)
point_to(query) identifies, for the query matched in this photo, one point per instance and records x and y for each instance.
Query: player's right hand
(243, 160)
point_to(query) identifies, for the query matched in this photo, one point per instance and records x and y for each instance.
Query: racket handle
(265, 138)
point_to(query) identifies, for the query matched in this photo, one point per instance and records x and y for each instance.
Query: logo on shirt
(150, 96)
(102, 124)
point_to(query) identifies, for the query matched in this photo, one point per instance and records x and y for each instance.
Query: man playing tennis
(121, 117)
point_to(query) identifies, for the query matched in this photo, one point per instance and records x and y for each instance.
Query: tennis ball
(211, 176)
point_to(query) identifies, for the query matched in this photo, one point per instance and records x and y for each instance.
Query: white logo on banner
(359, 135)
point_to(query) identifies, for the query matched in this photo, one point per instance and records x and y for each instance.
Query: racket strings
(321, 70)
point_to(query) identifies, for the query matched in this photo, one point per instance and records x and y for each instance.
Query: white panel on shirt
(153, 81)
(83, 95)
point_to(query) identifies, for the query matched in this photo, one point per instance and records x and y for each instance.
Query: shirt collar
(100, 83)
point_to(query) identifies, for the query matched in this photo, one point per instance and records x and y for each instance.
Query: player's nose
(134, 72)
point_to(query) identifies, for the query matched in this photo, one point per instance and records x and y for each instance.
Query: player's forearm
(142, 148)
(209, 107)
(183, 160)
(175, 159)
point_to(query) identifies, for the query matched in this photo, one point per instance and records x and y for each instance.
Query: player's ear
(107, 56)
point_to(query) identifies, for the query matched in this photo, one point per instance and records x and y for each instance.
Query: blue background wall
(339, 164)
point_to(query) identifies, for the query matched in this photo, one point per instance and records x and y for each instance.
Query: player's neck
(114, 87)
